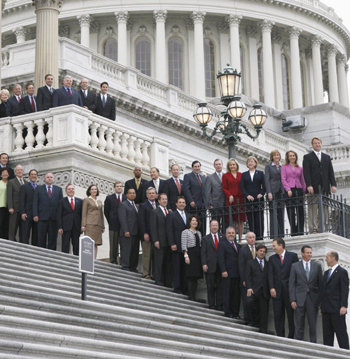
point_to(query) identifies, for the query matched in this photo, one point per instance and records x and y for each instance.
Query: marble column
(310, 92)
(46, 48)
(253, 63)
(122, 19)
(317, 69)
(269, 91)
(332, 75)
(342, 81)
(224, 44)
(161, 64)
(84, 22)
(277, 52)
(20, 34)
(295, 73)
(235, 49)
(199, 72)
(0, 40)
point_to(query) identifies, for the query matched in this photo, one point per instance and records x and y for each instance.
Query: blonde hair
(231, 160)
(273, 153)
(254, 159)
(315, 138)
(4, 92)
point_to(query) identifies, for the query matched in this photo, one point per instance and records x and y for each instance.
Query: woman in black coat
(4, 95)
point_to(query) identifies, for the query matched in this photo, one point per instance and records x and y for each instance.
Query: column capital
(341, 59)
(332, 50)
(295, 32)
(121, 16)
(47, 4)
(19, 32)
(266, 25)
(160, 15)
(84, 19)
(316, 41)
(198, 17)
(233, 19)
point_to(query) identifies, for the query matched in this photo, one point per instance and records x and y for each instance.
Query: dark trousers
(66, 238)
(4, 222)
(281, 305)
(258, 309)
(129, 249)
(14, 226)
(27, 226)
(192, 284)
(231, 296)
(255, 215)
(335, 323)
(276, 209)
(299, 320)
(214, 289)
(295, 211)
(246, 313)
(49, 229)
(178, 271)
(114, 239)
(162, 270)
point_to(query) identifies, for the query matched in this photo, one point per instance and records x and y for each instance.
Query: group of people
(47, 97)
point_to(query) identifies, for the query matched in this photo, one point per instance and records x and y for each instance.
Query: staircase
(42, 316)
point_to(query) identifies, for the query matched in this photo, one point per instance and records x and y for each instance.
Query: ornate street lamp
(230, 124)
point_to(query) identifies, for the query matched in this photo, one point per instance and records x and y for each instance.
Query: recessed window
(175, 62)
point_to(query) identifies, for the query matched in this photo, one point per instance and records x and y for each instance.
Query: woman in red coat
(231, 185)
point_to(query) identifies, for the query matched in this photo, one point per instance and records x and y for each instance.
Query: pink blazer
(292, 177)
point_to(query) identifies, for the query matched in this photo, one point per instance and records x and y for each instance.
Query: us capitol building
(160, 59)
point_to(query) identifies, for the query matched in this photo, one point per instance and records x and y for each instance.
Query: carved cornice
(122, 16)
(84, 20)
(198, 17)
(160, 15)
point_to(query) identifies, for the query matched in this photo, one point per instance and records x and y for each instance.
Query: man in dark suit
(45, 204)
(112, 203)
(69, 220)
(334, 302)
(129, 232)
(145, 230)
(246, 253)
(194, 191)
(45, 94)
(305, 284)
(13, 189)
(137, 183)
(161, 186)
(28, 103)
(14, 102)
(4, 160)
(162, 254)
(105, 104)
(258, 289)
(210, 265)
(177, 222)
(228, 251)
(26, 197)
(87, 97)
(66, 95)
(318, 173)
(174, 184)
(280, 265)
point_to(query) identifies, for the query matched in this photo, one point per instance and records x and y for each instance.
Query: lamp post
(230, 124)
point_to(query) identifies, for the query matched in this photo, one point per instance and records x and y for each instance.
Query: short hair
(5, 92)
(180, 197)
(217, 160)
(194, 162)
(29, 84)
(274, 153)
(214, 220)
(19, 165)
(254, 159)
(69, 184)
(16, 85)
(335, 255)
(4, 153)
(130, 189)
(280, 241)
(33, 169)
(154, 168)
(314, 139)
(116, 182)
(88, 191)
(104, 83)
(67, 77)
(259, 246)
(150, 189)
(304, 247)
(286, 160)
(162, 194)
(174, 164)
(230, 227)
(47, 75)
(4, 169)
(231, 160)
(190, 219)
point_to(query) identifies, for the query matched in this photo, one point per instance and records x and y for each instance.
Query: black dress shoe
(228, 315)
(178, 291)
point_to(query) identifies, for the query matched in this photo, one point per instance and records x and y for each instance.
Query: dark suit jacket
(110, 209)
(245, 255)
(299, 286)
(67, 219)
(228, 258)
(108, 110)
(61, 98)
(129, 219)
(43, 206)
(44, 98)
(12, 193)
(14, 107)
(158, 227)
(318, 173)
(139, 193)
(193, 191)
(175, 226)
(173, 193)
(89, 101)
(26, 105)
(279, 273)
(335, 291)
(163, 188)
(26, 197)
(4, 109)
(209, 254)
(145, 217)
(273, 182)
(256, 278)
(255, 187)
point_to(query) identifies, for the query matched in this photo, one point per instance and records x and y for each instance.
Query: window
(143, 55)
(175, 62)
(285, 82)
(261, 74)
(209, 64)
(303, 82)
(111, 49)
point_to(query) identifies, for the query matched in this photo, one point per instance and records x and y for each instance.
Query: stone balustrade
(340, 152)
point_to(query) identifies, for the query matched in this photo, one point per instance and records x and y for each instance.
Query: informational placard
(86, 255)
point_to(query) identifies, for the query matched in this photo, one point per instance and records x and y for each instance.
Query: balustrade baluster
(94, 138)
(145, 156)
(101, 138)
(40, 136)
(124, 145)
(49, 135)
(138, 153)
(117, 148)
(131, 151)
(19, 140)
(29, 139)
(109, 146)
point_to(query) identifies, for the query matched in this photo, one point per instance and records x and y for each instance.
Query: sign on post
(86, 261)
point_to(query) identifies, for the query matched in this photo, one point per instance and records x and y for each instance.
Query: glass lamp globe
(203, 114)
(257, 116)
(236, 108)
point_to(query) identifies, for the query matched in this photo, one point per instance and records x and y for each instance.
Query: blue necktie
(103, 101)
(329, 274)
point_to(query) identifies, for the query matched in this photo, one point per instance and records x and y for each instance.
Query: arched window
(175, 62)
(285, 82)
(209, 62)
(111, 49)
(143, 55)
(261, 74)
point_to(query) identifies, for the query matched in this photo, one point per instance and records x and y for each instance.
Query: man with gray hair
(66, 95)
(88, 97)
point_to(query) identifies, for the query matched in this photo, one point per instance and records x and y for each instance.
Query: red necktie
(119, 199)
(281, 259)
(19, 98)
(69, 92)
(199, 180)
(234, 246)
(32, 102)
(166, 212)
(216, 241)
(72, 203)
(178, 185)
(49, 191)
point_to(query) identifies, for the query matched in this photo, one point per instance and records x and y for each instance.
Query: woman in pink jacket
(293, 182)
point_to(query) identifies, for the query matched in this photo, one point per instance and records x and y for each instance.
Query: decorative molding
(266, 25)
(109, 32)
(94, 27)
(20, 33)
(198, 17)
(84, 20)
(341, 59)
(222, 27)
(295, 32)
(251, 30)
(316, 41)
(64, 31)
(85, 180)
(122, 17)
(331, 50)
(160, 15)
(47, 4)
(142, 30)
(276, 36)
(234, 19)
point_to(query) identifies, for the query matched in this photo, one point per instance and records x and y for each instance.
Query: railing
(340, 152)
